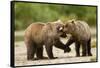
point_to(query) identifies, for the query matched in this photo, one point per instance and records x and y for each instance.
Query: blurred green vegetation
(19, 38)
(93, 44)
(27, 13)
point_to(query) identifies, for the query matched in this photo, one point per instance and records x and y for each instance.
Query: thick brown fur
(81, 35)
(37, 35)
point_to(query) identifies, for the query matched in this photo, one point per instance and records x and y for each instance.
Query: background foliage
(27, 13)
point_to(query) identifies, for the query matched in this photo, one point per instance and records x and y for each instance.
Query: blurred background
(27, 13)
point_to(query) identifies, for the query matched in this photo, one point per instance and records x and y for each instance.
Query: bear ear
(73, 21)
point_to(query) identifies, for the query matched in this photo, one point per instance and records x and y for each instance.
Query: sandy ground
(20, 56)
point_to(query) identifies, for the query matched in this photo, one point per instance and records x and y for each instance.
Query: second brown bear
(81, 35)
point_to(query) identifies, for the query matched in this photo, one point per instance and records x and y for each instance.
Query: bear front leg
(77, 48)
(60, 45)
(49, 51)
(39, 53)
(69, 42)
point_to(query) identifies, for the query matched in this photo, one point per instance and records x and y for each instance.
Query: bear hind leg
(77, 48)
(89, 48)
(39, 53)
(31, 49)
(49, 52)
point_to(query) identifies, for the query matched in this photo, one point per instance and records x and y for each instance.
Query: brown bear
(39, 34)
(80, 34)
